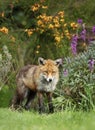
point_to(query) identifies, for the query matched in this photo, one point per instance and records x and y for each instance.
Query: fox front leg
(41, 103)
(31, 95)
(50, 104)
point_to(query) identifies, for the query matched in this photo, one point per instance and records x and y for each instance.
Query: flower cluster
(74, 44)
(53, 26)
(81, 33)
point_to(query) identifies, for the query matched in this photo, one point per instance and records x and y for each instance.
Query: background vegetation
(50, 29)
(47, 29)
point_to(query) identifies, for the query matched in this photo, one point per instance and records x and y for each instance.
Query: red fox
(37, 79)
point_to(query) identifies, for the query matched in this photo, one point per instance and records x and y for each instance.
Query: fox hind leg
(20, 95)
(16, 101)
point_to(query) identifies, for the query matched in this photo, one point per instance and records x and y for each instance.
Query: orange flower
(57, 25)
(65, 24)
(35, 7)
(61, 20)
(4, 30)
(74, 25)
(2, 14)
(50, 26)
(57, 39)
(67, 34)
(61, 14)
(39, 22)
(29, 32)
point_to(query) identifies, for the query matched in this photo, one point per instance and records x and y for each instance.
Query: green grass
(67, 120)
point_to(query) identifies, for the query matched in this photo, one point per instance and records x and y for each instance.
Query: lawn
(67, 120)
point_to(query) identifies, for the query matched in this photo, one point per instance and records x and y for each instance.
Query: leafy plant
(77, 81)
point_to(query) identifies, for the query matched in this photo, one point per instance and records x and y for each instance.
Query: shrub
(5, 66)
(77, 82)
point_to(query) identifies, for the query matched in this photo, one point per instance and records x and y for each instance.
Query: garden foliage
(77, 81)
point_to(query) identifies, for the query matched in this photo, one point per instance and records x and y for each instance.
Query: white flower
(5, 49)
(9, 56)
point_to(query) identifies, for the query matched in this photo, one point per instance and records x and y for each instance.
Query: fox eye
(53, 72)
(45, 72)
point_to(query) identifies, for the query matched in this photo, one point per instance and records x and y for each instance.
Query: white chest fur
(47, 87)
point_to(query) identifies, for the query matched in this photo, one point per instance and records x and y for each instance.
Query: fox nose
(50, 80)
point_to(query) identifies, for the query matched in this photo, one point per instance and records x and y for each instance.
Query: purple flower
(80, 21)
(65, 72)
(93, 29)
(83, 34)
(74, 44)
(91, 63)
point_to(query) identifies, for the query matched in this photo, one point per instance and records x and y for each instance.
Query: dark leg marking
(31, 95)
(50, 104)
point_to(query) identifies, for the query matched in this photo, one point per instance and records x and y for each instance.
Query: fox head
(49, 69)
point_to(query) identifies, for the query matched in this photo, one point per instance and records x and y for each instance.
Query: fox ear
(58, 62)
(41, 61)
